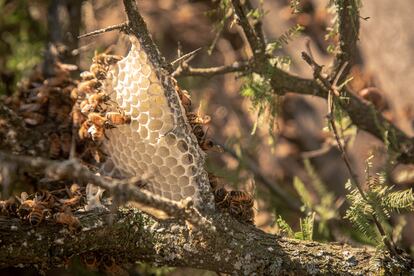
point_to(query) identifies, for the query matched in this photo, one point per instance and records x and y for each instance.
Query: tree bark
(231, 247)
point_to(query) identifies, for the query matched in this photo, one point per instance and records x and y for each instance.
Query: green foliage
(220, 16)
(284, 39)
(22, 38)
(306, 228)
(380, 200)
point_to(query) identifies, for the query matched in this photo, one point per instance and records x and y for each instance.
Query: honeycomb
(158, 143)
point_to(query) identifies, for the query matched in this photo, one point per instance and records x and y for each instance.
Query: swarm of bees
(46, 206)
(44, 103)
(93, 111)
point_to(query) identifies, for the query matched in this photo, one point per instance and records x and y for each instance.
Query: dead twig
(120, 27)
(186, 70)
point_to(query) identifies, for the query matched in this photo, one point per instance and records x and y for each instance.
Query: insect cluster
(94, 111)
(56, 206)
(44, 103)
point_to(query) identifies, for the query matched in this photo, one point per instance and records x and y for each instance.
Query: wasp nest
(158, 142)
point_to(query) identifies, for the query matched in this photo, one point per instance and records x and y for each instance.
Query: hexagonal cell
(176, 197)
(182, 146)
(175, 189)
(183, 181)
(155, 125)
(142, 56)
(161, 179)
(153, 77)
(152, 169)
(143, 132)
(163, 151)
(140, 148)
(157, 160)
(178, 170)
(146, 158)
(142, 95)
(170, 161)
(159, 101)
(146, 70)
(167, 194)
(144, 83)
(170, 139)
(187, 159)
(135, 99)
(166, 187)
(149, 149)
(171, 179)
(121, 75)
(143, 166)
(191, 170)
(144, 106)
(165, 171)
(155, 89)
(143, 118)
(155, 112)
(188, 191)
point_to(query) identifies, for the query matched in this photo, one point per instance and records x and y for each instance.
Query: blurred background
(289, 150)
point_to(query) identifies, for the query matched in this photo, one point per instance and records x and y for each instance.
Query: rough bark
(230, 247)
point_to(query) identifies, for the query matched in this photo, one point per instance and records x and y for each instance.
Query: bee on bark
(241, 205)
(194, 119)
(184, 98)
(66, 218)
(32, 210)
(75, 197)
(91, 261)
(111, 267)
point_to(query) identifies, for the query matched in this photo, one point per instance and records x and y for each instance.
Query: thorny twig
(120, 27)
(333, 95)
(187, 70)
(124, 189)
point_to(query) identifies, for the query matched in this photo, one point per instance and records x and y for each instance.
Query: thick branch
(233, 248)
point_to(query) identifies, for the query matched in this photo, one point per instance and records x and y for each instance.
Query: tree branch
(186, 70)
(234, 248)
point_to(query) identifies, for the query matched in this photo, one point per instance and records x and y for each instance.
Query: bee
(33, 210)
(84, 130)
(75, 196)
(93, 102)
(87, 75)
(66, 217)
(90, 260)
(106, 59)
(221, 197)
(184, 98)
(111, 267)
(97, 119)
(96, 132)
(77, 117)
(9, 207)
(117, 118)
(33, 118)
(46, 198)
(98, 70)
(87, 87)
(194, 119)
(241, 205)
(54, 148)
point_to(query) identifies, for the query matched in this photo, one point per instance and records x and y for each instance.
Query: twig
(125, 189)
(120, 27)
(333, 94)
(186, 56)
(253, 35)
(348, 30)
(181, 71)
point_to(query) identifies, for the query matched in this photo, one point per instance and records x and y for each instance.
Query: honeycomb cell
(157, 160)
(134, 113)
(144, 106)
(188, 191)
(153, 169)
(165, 171)
(140, 147)
(142, 57)
(155, 125)
(166, 187)
(178, 170)
(170, 139)
(192, 170)
(121, 75)
(183, 181)
(150, 149)
(145, 70)
(175, 188)
(170, 161)
(156, 112)
(166, 194)
(155, 89)
(182, 146)
(135, 100)
(171, 179)
(144, 83)
(143, 118)
(187, 159)
(143, 132)
(163, 151)
(142, 95)
(143, 166)
(153, 77)
(176, 197)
